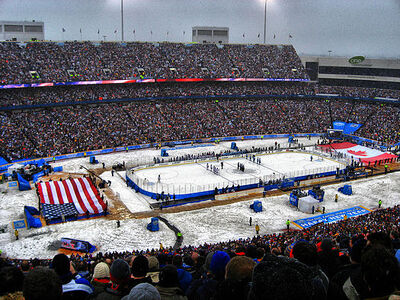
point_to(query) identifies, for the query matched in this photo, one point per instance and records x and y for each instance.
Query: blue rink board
(331, 217)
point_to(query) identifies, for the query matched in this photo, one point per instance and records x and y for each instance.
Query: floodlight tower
(122, 20)
(265, 20)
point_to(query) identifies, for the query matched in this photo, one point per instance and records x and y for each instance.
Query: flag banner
(79, 191)
(358, 152)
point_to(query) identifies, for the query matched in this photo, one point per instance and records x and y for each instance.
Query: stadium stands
(324, 251)
(75, 61)
(331, 253)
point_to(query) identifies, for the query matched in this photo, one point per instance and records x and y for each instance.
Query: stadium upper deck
(79, 61)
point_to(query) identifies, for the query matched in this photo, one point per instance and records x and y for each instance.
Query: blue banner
(332, 217)
(19, 224)
(339, 125)
(350, 128)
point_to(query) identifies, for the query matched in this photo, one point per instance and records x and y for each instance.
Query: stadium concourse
(224, 93)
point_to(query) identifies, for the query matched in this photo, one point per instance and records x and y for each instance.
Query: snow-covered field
(205, 225)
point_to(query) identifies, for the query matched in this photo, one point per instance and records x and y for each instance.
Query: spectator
(282, 278)
(73, 286)
(139, 270)
(11, 282)
(379, 275)
(143, 291)
(42, 284)
(120, 274)
(101, 278)
(237, 280)
(168, 286)
(154, 269)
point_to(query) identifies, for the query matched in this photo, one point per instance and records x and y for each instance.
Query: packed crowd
(78, 61)
(362, 92)
(356, 258)
(55, 95)
(54, 131)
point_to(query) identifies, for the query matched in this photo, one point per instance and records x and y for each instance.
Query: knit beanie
(154, 265)
(218, 263)
(101, 270)
(140, 266)
(120, 271)
(207, 262)
(143, 291)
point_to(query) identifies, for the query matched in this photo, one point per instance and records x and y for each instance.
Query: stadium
(218, 168)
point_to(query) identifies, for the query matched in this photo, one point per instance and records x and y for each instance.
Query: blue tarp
(36, 176)
(58, 169)
(3, 161)
(30, 219)
(256, 206)
(23, 184)
(153, 225)
(332, 217)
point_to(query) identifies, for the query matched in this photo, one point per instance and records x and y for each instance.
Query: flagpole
(122, 20)
(81, 34)
(265, 20)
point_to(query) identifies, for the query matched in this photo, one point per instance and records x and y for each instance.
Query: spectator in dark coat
(206, 286)
(42, 284)
(120, 275)
(185, 278)
(168, 287)
(281, 278)
(336, 283)
(11, 281)
(238, 275)
(328, 258)
(139, 270)
(379, 272)
(74, 286)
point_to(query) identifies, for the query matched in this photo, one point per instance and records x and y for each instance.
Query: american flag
(79, 191)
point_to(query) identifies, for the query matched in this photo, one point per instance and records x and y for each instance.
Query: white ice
(205, 225)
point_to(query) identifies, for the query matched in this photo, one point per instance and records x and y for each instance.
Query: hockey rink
(196, 176)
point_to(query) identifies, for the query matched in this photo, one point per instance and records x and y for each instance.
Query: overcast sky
(346, 27)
